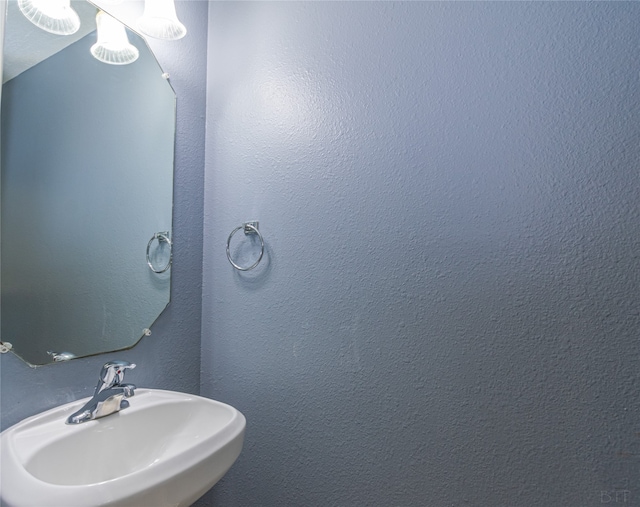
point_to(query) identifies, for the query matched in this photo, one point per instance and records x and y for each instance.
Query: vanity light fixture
(113, 46)
(159, 20)
(54, 16)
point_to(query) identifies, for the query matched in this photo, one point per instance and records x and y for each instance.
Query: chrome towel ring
(160, 236)
(249, 228)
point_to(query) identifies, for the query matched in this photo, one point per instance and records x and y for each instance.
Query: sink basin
(166, 449)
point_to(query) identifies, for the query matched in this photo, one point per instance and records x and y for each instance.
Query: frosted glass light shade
(54, 16)
(113, 46)
(159, 20)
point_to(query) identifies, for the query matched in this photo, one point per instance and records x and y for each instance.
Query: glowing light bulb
(54, 16)
(113, 46)
(159, 20)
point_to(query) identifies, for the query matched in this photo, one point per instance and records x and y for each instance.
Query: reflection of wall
(449, 192)
(80, 203)
(3, 11)
(169, 358)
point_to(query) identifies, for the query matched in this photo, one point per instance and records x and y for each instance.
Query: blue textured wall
(170, 357)
(448, 309)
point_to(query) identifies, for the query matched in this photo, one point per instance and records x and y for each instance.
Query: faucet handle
(112, 373)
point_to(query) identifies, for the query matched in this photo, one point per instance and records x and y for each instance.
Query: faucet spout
(109, 395)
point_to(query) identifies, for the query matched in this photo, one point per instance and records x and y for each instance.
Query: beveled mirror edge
(3, 16)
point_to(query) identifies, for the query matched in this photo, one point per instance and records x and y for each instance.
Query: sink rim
(16, 479)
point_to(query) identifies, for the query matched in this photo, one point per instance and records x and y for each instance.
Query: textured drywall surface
(447, 312)
(170, 357)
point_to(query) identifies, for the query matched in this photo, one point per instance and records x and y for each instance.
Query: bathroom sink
(166, 449)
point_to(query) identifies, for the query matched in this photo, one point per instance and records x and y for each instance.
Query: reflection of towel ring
(249, 228)
(160, 236)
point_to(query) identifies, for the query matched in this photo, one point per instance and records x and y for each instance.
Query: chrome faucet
(109, 395)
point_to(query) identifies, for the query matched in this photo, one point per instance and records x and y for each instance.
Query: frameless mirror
(86, 192)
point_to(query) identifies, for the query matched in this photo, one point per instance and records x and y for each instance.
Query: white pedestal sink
(166, 449)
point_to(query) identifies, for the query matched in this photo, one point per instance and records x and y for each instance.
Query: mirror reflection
(86, 192)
